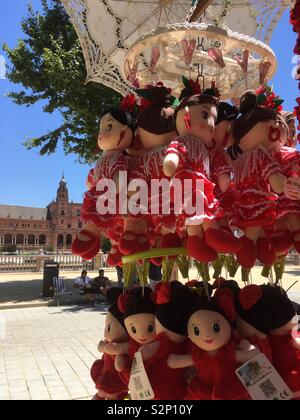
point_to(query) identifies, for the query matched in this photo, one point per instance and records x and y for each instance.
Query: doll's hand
(120, 363)
(224, 182)
(171, 163)
(291, 188)
(101, 346)
(149, 350)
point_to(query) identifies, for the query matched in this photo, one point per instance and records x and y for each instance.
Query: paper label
(262, 381)
(139, 385)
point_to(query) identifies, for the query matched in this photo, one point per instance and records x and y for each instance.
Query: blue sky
(31, 180)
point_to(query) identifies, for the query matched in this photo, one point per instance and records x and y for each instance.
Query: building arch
(42, 239)
(20, 239)
(8, 239)
(69, 239)
(60, 240)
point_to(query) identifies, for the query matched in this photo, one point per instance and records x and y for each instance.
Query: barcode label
(262, 381)
(139, 385)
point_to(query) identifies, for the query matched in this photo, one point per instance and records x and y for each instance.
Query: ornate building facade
(52, 228)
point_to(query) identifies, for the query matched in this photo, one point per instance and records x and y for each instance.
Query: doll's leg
(293, 222)
(223, 241)
(197, 246)
(246, 255)
(135, 236)
(87, 243)
(281, 236)
(266, 251)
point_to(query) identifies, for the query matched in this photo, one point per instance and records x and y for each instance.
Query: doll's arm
(149, 350)
(171, 164)
(244, 356)
(114, 349)
(120, 363)
(277, 182)
(224, 182)
(296, 343)
(176, 361)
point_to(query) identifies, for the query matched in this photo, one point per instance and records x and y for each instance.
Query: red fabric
(106, 378)
(289, 161)
(255, 204)
(167, 383)
(194, 165)
(262, 345)
(216, 378)
(286, 359)
(107, 167)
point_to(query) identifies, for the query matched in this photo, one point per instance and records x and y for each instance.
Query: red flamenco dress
(255, 204)
(167, 383)
(107, 167)
(149, 167)
(107, 379)
(286, 360)
(216, 379)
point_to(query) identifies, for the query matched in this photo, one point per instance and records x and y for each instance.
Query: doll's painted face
(292, 135)
(203, 119)
(150, 140)
(137, 148)
(114, 331)
(141, 328)
(260, 135)
(209, 330)
(113, 135)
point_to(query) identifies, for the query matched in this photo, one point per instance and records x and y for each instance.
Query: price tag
(262, 381)
(139, 385)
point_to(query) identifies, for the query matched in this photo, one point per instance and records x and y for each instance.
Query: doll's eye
(150, 328)
(216, 327)
(109, 127)
(133, 329)
(205, 115)
(108, 328)
(196, 331)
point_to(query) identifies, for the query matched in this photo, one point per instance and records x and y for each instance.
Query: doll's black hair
(122, 117)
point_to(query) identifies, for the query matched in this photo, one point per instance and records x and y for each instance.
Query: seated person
(83, 281)
(101, 283)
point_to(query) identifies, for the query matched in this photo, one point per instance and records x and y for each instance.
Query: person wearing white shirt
(82, 281)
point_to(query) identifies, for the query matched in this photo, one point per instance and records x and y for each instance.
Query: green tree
(49, 64)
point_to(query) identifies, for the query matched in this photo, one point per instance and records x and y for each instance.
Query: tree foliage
(49, 64)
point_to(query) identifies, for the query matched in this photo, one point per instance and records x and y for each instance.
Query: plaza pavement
(47, 353)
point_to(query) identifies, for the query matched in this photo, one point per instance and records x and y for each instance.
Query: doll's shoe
(222, 241)
(80, 246)
(266, 251)
(114, 258)
(128, 243)
(89, 255)
(246, 255)
(199, 250)
(282, 241)
(171, 240)
(296, 240)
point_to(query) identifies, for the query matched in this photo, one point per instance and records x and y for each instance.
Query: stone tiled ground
(46, 353)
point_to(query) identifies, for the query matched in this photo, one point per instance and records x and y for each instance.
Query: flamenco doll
(156, 128)
(173, 302)
(138, 309)
(214, 353)
(191, 157)
(115, 136)
(258, 178)
(283, 340)
(290, 119)
(107, 380)
(254, 317)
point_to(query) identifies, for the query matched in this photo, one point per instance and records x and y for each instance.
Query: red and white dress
(194, 165)
(220, 164)
(107, 167)
(289, 161)
(107, 379)
(216, 379)
(149, 168)
(255, 203)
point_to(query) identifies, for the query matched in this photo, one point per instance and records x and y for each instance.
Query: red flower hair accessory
(123, 301)
(249, 296)
(128, 103)
(162, 293)
(225, 299)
